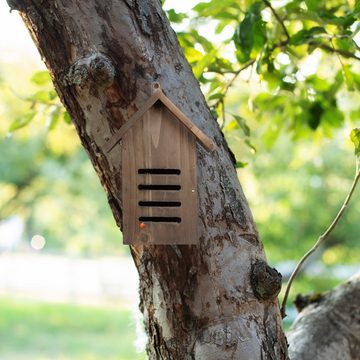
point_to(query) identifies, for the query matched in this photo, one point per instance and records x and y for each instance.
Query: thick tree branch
(329, 328)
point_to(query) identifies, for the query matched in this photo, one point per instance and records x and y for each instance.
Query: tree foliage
(302, 55)
(266, 69)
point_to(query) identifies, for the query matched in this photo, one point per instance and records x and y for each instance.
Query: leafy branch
(330, 49)
(278, 18)
(44, 102)
(231, 82)
(355, 136)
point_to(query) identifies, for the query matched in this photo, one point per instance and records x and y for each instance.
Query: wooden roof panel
(158, 95)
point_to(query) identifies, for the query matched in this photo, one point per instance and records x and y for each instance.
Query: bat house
(159, 189)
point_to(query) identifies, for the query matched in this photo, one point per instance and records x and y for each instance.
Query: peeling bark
(329, 328)
(198, 302)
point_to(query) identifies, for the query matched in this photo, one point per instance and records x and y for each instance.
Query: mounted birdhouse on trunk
(159, 190)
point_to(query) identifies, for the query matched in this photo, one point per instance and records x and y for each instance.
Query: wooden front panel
(159, 181)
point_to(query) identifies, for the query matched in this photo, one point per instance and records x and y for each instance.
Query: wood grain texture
(158, 95)
(159, 141)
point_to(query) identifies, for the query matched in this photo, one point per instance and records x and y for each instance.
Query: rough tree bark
(329, 328)
(198, 301)
(216, 300)
(212, 301)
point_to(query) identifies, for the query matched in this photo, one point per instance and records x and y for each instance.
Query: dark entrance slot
(160, 203)
(159, 187)
(160, 219)
(160, 171)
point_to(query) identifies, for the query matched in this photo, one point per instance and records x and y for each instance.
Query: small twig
(224, 72)
(321, 238)
(338, 56)
(327, 48)
(278, 18)
(223, 113)
(231, 82)
(344, 53)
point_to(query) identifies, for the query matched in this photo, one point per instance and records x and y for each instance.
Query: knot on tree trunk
(265, 281)
(95, 68)
(302, 301)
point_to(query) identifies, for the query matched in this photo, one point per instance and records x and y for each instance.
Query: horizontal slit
(160, 219)
(159, 187)
(160, 171)
(160, 203)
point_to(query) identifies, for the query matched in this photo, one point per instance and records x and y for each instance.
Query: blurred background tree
(281, 78)
(45, 175)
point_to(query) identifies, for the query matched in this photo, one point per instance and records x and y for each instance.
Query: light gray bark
(198, 301)
(329, 329)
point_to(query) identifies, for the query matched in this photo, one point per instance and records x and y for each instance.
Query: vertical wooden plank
(159, 141)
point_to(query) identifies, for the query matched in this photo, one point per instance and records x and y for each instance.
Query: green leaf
(273, 79)
(317, 83)
(175, 17)
(224, 9)
(242, 123)
(250, 35)
(41, 96)
(357, 7)
(54, 118)
(355, 138)
(67, 117)
(348, 21)
(21, 121)
(348, 76)
(250, 145)
(192, 55)
(273, 130)
(240, 164)
(306, 35)
(214, 113)
(201, 65)
(355, 115)
(221, 65)
(230, 126)
(333, 117)
(216, 96)
(52, 94)
(311, 4)
(41, 78)
(288, 86)
(356, 78)
(346, 44)
(315, 112)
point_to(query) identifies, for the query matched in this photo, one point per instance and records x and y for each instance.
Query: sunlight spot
(283, 59)
(37, 242)
(309, 66)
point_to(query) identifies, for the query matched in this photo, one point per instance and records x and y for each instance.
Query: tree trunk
(216, 300)
(329, 328)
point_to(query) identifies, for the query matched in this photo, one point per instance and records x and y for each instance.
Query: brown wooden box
(159, 174)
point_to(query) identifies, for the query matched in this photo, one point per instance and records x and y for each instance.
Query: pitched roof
(158, 95)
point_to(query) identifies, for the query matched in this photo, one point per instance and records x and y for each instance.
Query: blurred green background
(34, 330)
(296, 179)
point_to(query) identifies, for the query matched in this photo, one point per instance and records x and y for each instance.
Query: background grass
(39, 331)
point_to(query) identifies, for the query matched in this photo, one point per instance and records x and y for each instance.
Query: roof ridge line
(205, 141)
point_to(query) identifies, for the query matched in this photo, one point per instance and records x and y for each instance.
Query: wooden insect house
(159, 190)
